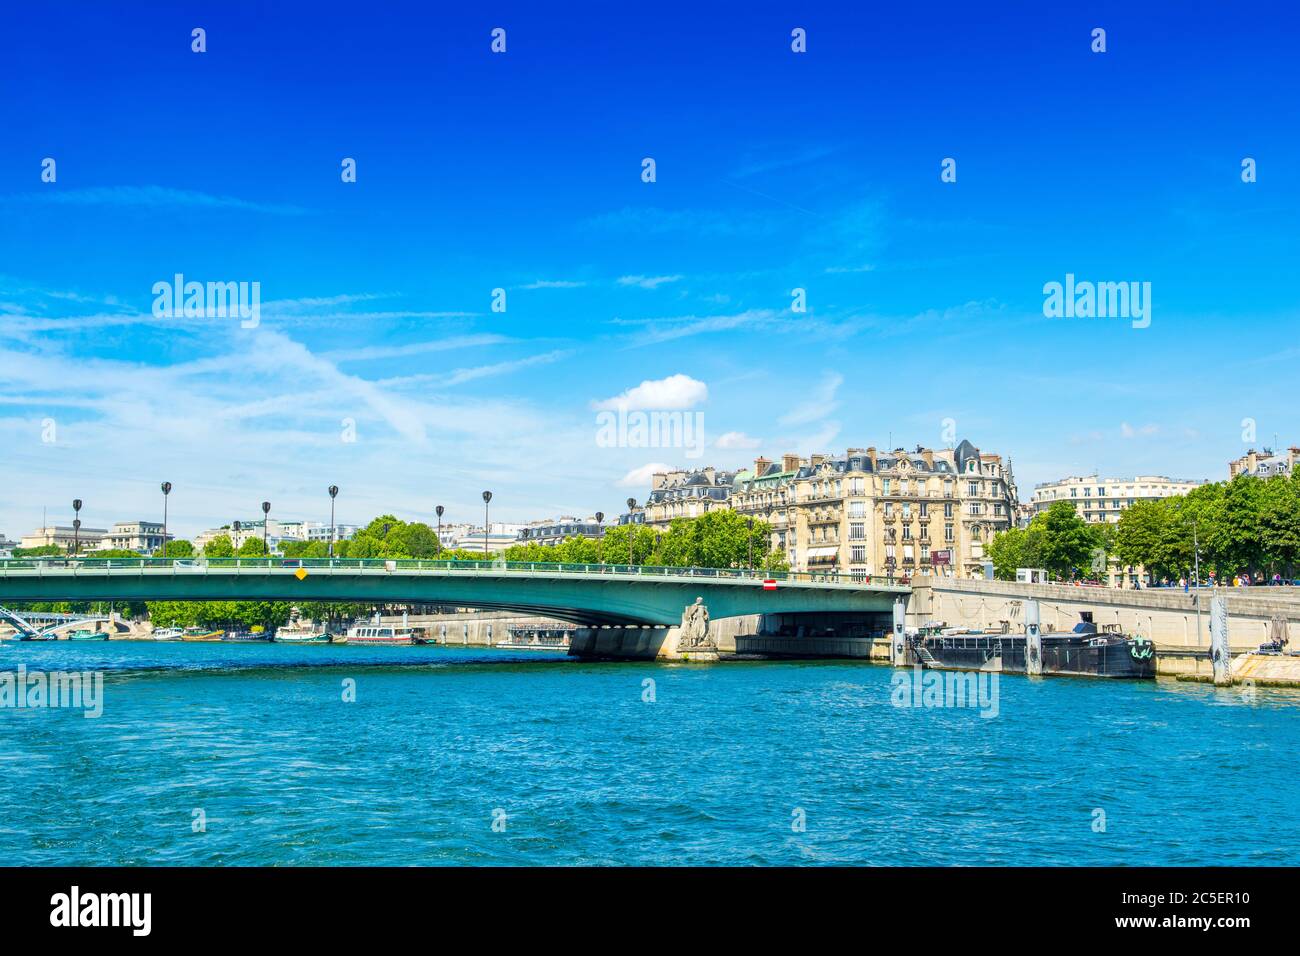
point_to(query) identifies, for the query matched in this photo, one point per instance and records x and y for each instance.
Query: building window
(925, 508)
(947, 509)
(857, 530)
(858, 554)
(947, 533)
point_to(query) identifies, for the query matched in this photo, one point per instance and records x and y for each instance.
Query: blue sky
(522, 171)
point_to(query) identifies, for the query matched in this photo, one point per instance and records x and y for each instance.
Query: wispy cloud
(818, 404)
(648, 282)
(554, 284)
(154, 197)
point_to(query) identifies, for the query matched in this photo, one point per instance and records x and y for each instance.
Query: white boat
(300, 634)
(165, 634)
(379, 634)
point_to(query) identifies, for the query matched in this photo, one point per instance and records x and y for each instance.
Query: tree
(1015, 548)
(180, 548)
(219, 547)
(1067, 541)
(252, 548)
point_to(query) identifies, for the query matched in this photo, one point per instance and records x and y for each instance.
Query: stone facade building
(863, 513)
(1265, 464)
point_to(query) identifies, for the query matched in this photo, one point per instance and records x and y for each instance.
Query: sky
(379, 364)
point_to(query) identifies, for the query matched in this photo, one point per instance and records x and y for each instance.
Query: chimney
(658, 480)
(816, 460)
(760, 467)
(927, 455)
(789, 462)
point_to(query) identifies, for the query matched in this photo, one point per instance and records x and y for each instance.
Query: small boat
(81, 635)
(300, 634)
(246, 636)
(200, 634)
(165, 634)
(379, 635)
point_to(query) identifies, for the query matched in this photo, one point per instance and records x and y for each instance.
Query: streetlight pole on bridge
(76, 525)
(631, 532)
(600, 537)
(266, 510)
(438, 511)
(487, 497)
(334, 493)
(166, 490)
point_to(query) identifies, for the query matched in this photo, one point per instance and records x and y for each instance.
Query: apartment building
(1265, 464)
(1100, 500)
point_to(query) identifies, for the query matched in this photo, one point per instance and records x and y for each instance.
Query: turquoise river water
(250, 754)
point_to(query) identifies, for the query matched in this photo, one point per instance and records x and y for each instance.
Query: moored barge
(1084, 651)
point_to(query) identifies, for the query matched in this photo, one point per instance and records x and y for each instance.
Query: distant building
(1099, 500)
(499, 537)
(1265, 464)
(64, 536)
(682, 494)
(6, 546)
(318, 531)
(144, 536)
(556, 530)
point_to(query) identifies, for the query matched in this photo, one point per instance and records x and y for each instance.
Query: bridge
(587, 594)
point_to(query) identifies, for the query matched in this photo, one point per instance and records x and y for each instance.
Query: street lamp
(438, 511)
(631, 531)
(487, 496)
(600, 538)
(334, 493)
(76, 525)
(266, 510)
(750, 536)
(238, 527)
(166, 490)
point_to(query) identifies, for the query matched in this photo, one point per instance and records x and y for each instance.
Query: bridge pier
(1220, 658)
(1033, 640)
(898, 651)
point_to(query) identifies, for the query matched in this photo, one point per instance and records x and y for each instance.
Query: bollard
(1219, 655)
(898, 642)
(1033, 640)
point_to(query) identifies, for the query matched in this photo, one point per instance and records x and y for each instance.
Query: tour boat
(379, 634)
(88, 636)
(165, 634)
(200, 634)
(300, 634)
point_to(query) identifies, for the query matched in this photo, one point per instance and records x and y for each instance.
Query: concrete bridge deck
(582, 593)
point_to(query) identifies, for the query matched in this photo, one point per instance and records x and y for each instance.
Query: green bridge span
(589, 594)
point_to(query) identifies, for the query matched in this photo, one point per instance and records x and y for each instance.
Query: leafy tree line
(1248, 525)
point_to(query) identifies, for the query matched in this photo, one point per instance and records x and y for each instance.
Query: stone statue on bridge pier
(695, 628)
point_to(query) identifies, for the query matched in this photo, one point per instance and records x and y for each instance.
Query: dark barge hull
(1065, 654)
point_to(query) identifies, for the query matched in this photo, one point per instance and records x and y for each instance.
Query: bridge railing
(201, 564)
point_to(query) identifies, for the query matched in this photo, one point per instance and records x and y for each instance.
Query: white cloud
(737, 440)
(1128, 431)
(640, 477)
(648, 282)
(554, 284)
(666, 394)
(820, 403)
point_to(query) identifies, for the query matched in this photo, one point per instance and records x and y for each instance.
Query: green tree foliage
(180, 548)
(219, 547)
(1057, 540)
(1248, 525)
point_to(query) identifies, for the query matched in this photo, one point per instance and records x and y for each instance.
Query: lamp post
(438, 511)
(166, 490)
(631, 531)
(238, 527)
(600, 538)
(750, 538)
(334, 493)
(76, 525)
(266, 510)
(1196, 552)
(487, 496)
